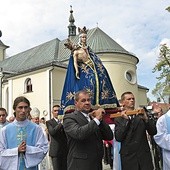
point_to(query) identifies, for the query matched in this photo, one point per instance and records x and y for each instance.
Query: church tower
(71, 27)
(3, 48)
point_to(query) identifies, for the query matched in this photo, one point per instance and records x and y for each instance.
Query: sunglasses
(56, 110)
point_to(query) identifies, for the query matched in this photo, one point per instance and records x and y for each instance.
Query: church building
(39, 73)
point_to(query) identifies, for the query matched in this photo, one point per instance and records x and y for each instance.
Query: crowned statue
(86, 72)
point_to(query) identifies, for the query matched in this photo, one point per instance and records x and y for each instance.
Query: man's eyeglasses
(55, 110)
(23, 107)
(2, 115)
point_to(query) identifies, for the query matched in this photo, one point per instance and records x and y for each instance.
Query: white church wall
(58, 83)
(39, 95)
(142, 97)
(117, 66)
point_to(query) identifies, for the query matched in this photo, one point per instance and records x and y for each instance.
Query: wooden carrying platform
(129, 112)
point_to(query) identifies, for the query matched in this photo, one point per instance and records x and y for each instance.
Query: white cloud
(165, 41)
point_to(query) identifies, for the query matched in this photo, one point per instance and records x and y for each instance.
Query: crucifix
(21, 135)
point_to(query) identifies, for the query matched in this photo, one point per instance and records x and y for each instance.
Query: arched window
(28, 85)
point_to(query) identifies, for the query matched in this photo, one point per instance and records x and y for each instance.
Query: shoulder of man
(50, 120)
(72, 114)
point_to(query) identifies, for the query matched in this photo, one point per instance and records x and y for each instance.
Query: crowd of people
(82, 139)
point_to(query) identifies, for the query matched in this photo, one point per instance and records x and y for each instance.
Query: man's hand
(98, 114)
(124, 115)
(144, 117)
(22, 147)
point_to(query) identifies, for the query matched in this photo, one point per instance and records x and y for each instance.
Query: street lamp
(1, 77)
(2, 74)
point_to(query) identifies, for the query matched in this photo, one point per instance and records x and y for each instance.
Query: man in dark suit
(85, 133)
(131, 132)
(58, 141)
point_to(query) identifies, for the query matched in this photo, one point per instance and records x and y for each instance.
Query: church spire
(71, 27)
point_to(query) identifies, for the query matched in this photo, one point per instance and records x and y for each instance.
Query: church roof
(100, 42)
(40, 56)
(143, 87)
(54, 52)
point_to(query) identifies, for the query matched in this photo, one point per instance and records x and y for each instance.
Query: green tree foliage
(168, 9)
(162, 88)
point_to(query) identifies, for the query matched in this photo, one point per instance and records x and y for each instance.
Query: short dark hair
(56, 105)
(3, 110)
(123, 95)
(19, 100)
(76, 96)
(14, 114)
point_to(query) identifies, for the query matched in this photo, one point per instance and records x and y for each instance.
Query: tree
(148, 100)
(168, 9)
(162, 88)
(158, 92)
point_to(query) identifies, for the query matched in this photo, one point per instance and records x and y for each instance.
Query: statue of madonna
(86, 71)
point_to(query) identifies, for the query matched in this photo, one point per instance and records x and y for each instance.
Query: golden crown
(83, 30)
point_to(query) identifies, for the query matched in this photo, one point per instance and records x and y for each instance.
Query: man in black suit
(131, 132)
(85, 133)
(58, 141)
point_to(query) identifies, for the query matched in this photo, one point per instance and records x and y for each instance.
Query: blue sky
(140, 26)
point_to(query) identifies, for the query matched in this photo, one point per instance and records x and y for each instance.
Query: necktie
(88, 118)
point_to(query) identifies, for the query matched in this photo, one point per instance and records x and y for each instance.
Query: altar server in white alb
(162, 138)
(23, 144)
